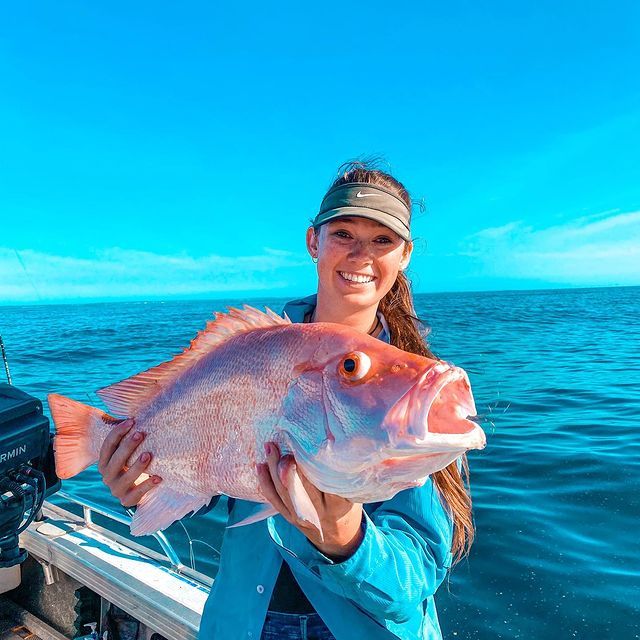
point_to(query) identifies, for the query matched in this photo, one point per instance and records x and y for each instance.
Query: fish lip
(449, 375)
(441, 443)
(424, 401)
(426, 441)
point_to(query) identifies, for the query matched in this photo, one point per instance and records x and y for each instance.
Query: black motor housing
(25, 436)
(26, 459)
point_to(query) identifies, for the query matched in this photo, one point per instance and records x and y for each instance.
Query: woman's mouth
(356, 278)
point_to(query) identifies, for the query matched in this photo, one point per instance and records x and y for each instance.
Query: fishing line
(192, 557)
(2, 349)
(192, 560)
(24, 268)
(206, 544)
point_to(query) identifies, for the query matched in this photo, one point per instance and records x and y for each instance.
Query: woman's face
(358, 259)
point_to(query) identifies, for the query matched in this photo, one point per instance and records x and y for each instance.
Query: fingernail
(127, 424)
(156, 480)
(145, 457)
(267, 448)
(137, 436)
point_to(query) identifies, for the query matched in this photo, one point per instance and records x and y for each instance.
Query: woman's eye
(342, 234)
(383, 240)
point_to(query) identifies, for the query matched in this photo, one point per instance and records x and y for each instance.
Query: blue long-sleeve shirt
(383, 591)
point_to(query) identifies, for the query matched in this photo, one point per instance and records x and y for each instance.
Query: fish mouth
(436, 414)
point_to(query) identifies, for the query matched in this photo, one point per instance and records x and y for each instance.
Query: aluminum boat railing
(89, 507)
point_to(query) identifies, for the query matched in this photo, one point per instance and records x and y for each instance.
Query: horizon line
(279, 296)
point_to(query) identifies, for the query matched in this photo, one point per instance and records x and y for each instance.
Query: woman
(376, 570)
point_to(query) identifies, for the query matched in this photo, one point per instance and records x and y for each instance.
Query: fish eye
(355, 365)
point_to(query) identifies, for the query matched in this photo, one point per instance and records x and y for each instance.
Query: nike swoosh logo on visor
(365, 195)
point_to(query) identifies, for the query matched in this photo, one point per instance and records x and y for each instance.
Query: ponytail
(451, 482)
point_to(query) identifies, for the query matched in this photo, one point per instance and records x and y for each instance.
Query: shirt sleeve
(403, 557)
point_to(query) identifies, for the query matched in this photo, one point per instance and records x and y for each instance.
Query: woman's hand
(117, 448)
(340, 518)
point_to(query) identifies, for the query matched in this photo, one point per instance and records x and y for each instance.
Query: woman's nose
(359, 251)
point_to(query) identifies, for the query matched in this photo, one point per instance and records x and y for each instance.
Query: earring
(314, 259)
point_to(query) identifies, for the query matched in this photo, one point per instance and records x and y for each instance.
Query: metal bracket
(50, 570)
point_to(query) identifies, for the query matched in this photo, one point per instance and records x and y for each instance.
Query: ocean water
(556, 493)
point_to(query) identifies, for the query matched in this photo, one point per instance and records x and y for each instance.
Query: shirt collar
(297, 310)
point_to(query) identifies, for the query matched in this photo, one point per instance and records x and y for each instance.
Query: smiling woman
(359, 570)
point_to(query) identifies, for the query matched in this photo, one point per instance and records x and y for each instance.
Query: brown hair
(409, 333)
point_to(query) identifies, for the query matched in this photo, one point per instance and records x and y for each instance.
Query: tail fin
(72, 444)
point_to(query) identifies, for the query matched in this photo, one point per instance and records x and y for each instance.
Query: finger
(134, 495)
(273, 462)
(125, 450)
(111, 443)
(269, 491)
(123, 483)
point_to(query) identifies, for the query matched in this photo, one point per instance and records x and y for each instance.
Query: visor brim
(386, 219)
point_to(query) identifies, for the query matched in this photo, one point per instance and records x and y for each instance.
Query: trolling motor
(27, 475)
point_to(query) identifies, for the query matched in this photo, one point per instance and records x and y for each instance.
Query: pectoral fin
(264, 511)
(302, 504)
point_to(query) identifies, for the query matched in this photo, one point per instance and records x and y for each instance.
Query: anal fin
(162, 506)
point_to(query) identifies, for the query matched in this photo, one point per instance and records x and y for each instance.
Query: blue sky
(151, 150)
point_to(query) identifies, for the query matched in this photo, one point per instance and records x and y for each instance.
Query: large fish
(362, 418)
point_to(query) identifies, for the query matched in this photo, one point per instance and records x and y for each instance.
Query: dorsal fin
(126, 397)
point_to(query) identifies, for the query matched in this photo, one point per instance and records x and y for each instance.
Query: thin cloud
(622, 221)
(29, 275)
(588, 250)
(496, 233)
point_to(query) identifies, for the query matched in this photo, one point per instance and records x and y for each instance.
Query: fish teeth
(355, 277)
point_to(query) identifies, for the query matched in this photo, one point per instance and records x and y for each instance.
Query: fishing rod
(6, 362)
(2, 350)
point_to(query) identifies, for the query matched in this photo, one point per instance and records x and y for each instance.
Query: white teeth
(354, 277)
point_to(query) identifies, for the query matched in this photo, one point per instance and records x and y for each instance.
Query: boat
(65, 576)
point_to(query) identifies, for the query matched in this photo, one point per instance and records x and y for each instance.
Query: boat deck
(67, 553)
(18, 624)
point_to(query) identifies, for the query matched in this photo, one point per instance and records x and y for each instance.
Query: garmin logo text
(9, 455)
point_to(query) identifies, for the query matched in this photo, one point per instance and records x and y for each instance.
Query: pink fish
(362, 418)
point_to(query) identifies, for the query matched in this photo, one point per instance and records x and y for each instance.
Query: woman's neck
(364, 320)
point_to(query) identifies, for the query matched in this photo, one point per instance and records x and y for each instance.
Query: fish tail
(74, 450)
